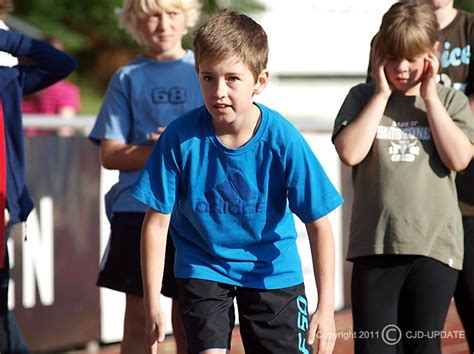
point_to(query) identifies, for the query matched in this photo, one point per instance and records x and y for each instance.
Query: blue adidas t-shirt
(232, 209)
(143, 95)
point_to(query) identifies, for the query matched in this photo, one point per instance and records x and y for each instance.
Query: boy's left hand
(322, 328)
(428, 78)
(155, 136)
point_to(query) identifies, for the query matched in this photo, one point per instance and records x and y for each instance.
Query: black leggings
(399, 303)
(464, 294)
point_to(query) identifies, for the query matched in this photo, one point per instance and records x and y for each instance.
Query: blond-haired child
(143, 97)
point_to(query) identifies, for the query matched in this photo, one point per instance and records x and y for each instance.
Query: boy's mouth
(402, 80)
(164, 37)
(220, 107)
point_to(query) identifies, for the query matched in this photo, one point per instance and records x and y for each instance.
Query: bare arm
(353, 143)
(153, 246)
(452, 145)
(116, 155)
(322, 250)
(67, 112)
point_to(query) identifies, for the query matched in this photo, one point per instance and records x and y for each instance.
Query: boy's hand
(428, 79)
(382, 85)
(6, 217)
(155, 136)
(322, 328)
(154, 331)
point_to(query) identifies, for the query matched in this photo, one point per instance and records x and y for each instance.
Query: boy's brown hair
(228, 34)
(407, 30)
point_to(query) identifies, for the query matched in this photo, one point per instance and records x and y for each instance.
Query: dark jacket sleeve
(50, 65)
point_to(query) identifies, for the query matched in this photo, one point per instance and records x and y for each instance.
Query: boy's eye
(233, 78)
(207, 78)
(173, 13)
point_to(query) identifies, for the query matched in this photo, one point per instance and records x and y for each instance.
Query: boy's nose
(402, 65)
(221, 89)
(164, 20)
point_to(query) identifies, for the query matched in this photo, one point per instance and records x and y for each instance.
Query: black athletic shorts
(120, 266)
(271, 321)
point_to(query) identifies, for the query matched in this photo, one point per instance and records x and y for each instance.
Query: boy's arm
(322, 323)
(51, 65)
(355, 140)
(115, 155)
(452, 145)
(153, 246)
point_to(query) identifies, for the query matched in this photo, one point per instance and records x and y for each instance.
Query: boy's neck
(167, 55)
(237, 134)
(445, 15)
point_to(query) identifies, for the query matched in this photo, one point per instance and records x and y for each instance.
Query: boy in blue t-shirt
(226, 179)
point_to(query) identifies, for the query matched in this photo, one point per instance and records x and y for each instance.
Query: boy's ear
(262, 81)
(436, 47)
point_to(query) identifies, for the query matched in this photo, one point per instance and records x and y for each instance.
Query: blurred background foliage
(89, 30)
(464, 4)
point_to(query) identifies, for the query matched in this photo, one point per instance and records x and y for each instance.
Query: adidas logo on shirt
(234, 196)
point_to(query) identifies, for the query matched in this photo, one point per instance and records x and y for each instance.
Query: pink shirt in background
(50, 101)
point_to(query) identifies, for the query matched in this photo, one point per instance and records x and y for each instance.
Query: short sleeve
(157, 184)
(114, 120)
(353, 104)
(460, 111)
(311, 195)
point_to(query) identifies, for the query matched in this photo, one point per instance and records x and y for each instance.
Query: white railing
(84, 123)
(80, 123)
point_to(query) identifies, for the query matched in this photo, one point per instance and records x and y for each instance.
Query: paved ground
(344, 345)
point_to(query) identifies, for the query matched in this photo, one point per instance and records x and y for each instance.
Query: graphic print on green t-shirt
(403, 136)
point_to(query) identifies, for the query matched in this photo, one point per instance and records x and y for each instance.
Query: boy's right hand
(382, 86)
(154, 331)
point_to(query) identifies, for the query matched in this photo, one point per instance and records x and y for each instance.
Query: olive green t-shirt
(457, 71)
(405, 199)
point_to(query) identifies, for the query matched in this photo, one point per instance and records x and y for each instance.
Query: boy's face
(405, 74)
(228, 87)
(163, 32)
